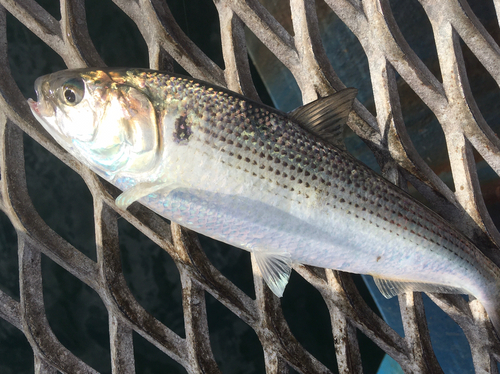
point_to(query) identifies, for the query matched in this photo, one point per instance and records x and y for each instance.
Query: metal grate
(389, 56)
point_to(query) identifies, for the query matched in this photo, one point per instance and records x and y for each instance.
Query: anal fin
(275, 269)
(389, 288)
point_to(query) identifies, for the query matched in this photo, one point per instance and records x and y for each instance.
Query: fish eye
(73, 91)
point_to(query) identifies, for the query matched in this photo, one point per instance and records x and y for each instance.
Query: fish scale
(261, 180)
(300, 169)
(300, 164)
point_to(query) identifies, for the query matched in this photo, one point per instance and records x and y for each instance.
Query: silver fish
(272, 183)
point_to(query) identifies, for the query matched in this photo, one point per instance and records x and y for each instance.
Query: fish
(279, 185)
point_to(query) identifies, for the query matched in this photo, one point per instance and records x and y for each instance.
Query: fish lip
(34, 105)
(45, 104)
(39, 110)
(36, 110)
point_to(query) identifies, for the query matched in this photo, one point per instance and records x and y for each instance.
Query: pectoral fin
(141, 190)
(390, 288)
(275, 269)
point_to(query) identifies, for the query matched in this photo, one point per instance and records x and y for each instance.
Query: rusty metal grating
(389, 56)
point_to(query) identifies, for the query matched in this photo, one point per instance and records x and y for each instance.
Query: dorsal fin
(326, 116)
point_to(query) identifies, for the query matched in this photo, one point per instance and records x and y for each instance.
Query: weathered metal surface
(372, 22)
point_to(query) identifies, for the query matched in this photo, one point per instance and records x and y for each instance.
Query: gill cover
(126, 138)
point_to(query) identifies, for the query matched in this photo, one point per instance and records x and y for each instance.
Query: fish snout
(33, 106)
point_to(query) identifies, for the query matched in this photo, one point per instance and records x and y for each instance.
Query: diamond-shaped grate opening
(466, 49)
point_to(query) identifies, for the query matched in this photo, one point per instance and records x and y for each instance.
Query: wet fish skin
(256, 178)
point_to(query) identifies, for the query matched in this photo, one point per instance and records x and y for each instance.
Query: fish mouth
(36, 110)
(44, 109)
(41, 111)
(44, 113)
(34, 105)
(40, 107)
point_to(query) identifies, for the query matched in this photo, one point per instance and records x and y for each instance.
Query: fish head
(100, 117)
